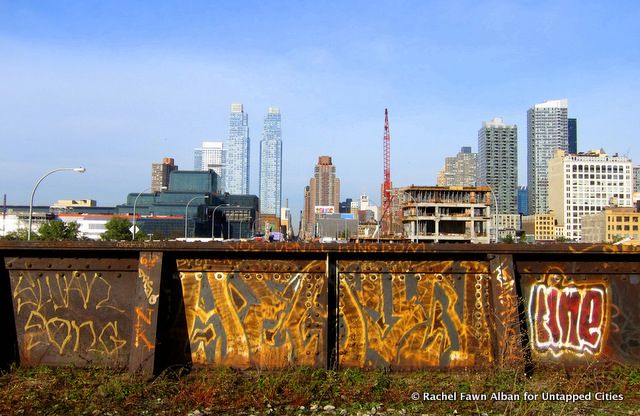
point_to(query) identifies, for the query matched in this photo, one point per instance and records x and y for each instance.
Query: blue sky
(116, 86)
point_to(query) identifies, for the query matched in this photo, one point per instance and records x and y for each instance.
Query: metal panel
(413, 320)
(145, 304)
(242, 317)
(581, 319)
(67, 312)
(504, 303)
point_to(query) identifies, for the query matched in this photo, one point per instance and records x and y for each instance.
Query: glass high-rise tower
(237, 155)
(271, 164)
(547, 131)
(211, 156)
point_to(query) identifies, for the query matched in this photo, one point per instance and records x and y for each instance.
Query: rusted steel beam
(66, 314)
(412, 320)
(582, 319)
(145, 303)
(241, 318)
(507, 339)
(247, 247)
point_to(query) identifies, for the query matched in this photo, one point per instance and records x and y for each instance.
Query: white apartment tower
(211, 156)
(237, 155)
(498, 163)
(547, 131)
(585, 184)
(271, 164)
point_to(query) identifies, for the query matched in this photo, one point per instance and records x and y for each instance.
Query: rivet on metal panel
(49, 266)
(28, 265)
(109, 266)
(40, 274)
(259, 276)
(86, 266)
(373, 277)
(624, 278)
(98, 274)
(76, 273)
(9, 265)
(20, 274)
(605, 278)
(69, 265)
(128, 266)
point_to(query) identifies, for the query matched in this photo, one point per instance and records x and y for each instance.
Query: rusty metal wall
(255, 313)
(411, 315)
(580, 313)
(149, 306)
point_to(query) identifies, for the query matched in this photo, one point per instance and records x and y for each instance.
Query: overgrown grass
(93, 391)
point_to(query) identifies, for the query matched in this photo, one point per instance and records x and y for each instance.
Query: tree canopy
(56, 230)
(118, 229)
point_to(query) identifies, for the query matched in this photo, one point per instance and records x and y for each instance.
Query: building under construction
(446, 214)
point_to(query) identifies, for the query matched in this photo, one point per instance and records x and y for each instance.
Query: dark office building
(572, 124)
(345, 206)
(192, 193)
(523, 200)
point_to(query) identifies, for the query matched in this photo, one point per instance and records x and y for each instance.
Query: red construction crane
(386, 186)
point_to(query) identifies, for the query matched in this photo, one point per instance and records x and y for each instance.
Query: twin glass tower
(238, 157)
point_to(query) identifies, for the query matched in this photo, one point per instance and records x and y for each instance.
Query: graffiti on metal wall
(506, 310)
(266, 319)
(147, 263)
(58, 311)
(567, 317)
(413, 320)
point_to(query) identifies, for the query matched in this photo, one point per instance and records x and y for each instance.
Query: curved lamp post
(213, 218)
(79, 170)
(186, 212)
(133, 227)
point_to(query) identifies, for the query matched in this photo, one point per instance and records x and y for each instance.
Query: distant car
(327, 240)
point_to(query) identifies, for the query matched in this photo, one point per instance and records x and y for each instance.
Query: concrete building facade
(584, 184)
(446, 214)
(498, 163)
(459, 170)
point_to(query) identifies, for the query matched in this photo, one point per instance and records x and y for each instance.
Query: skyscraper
(459, 170)
(271, 164)
(547, 131)
(237, 157)
(498, 163)
(323, 193)
(160, 173)
(211, 156)
(572, 131)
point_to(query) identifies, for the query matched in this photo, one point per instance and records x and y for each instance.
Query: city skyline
(86, 85)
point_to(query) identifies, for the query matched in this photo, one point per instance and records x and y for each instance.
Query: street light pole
(186, 212)
(133, 226)
(213, 218)
(79, 170)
